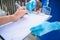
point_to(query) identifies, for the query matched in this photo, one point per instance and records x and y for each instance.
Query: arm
(6, 19)
(11, 18)
(39, 5)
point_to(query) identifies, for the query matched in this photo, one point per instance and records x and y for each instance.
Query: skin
(18, 14)
(12, 18)
(39, 5)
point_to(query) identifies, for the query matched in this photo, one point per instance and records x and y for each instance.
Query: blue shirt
(55, 10)
(44, 2)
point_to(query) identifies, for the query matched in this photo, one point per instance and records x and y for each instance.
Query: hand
(19, 13)
(37, 0)
(39, 10)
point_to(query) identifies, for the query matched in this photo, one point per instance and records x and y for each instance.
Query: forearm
(6, 19)
(16, 16)
(39, 5)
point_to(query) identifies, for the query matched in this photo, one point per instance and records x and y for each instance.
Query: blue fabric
(44, 28)
(55, 10)
(46, 10)
(53, 35)
(44, 3)
(31, 5)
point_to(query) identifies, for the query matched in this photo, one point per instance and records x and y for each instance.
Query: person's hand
(37, 0)
(39, 10)
(19, 13)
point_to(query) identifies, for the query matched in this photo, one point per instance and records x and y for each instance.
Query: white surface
(20, 29)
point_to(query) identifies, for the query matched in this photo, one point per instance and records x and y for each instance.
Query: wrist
(12, 17)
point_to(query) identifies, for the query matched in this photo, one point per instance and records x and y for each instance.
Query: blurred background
(9, 5)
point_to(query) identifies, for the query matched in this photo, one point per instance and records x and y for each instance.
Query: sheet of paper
(20, 29)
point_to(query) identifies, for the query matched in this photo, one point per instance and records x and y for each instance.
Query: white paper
(20, 29)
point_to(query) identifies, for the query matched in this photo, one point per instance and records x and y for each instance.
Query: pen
(18, 5)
